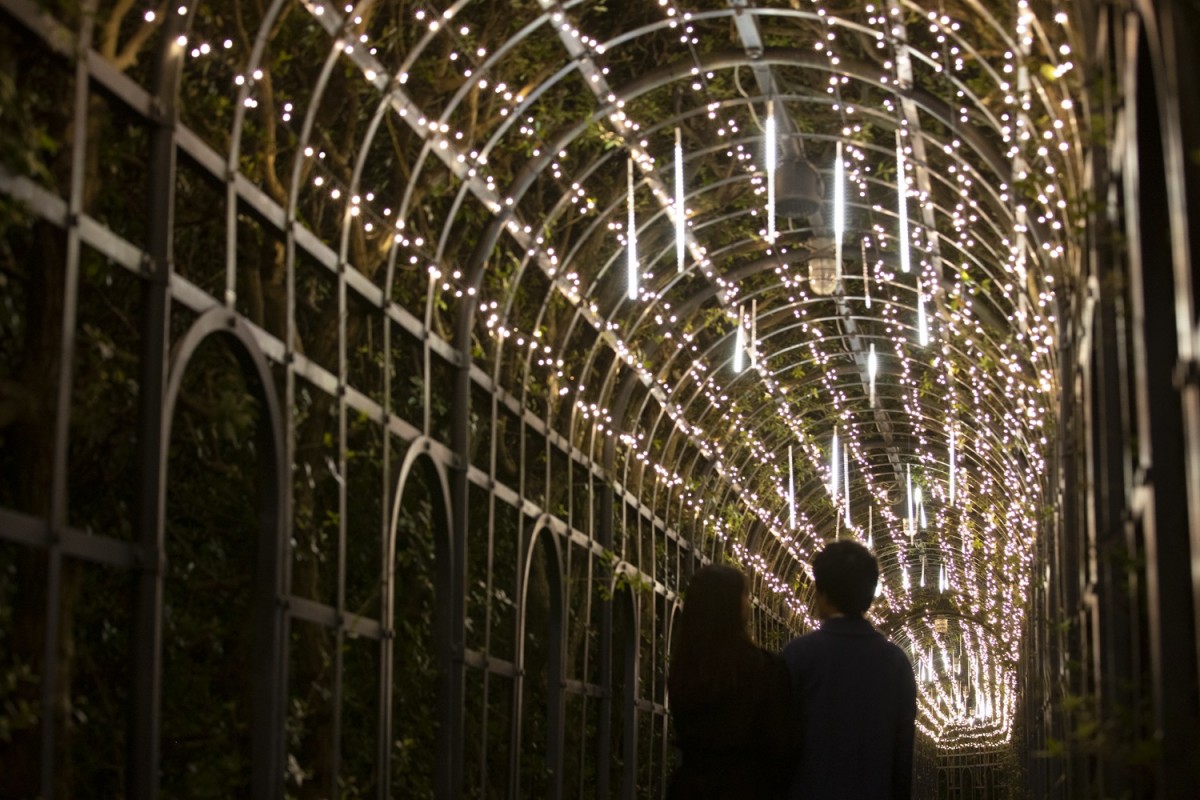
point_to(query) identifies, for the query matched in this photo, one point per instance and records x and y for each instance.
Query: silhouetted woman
(730, 700)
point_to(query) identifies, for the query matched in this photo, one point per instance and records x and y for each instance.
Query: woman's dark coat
(736, 740)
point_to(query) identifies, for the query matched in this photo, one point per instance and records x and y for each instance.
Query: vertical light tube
(922, 572)
(631, 237)
(791, 490)
(870, 527)
(953, 465)
(942, 579)
(739, 342)
(770, 157)
(754, 333)
(680, 208)
(839, 207)
(833, 489)
(866, 275)
(902, 201)
(912, 531)
(846, 479)
(922, 323)
(872, 370)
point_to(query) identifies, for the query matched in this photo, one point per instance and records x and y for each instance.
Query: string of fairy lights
(971, 490)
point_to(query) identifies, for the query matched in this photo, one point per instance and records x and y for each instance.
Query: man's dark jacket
(856, 702)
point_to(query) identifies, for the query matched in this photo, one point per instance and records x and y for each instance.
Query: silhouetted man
(854, 692)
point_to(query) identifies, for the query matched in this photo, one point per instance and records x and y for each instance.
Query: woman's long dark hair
(710, 645)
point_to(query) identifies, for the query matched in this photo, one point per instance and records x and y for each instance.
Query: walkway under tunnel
(374, 375)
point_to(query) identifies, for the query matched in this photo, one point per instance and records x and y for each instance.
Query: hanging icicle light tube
(680, 210)
(839, 209)
(902, 203)
(771, 147)
(631, 238)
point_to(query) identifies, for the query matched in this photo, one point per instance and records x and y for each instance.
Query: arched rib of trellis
(270, 626)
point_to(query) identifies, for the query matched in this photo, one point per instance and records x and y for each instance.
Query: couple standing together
(833, 717)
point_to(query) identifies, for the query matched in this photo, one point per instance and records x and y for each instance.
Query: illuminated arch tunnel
(545, 304)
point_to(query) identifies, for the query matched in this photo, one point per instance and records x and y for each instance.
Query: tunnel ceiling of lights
(790, 268)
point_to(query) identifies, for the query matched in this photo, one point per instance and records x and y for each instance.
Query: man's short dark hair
(847, 574)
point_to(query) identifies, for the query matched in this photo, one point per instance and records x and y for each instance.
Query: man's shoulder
(801, 644)
(898, 658)
(801, 640)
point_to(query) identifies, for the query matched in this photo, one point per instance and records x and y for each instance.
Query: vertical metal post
(1161, 457)
(152, 449)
